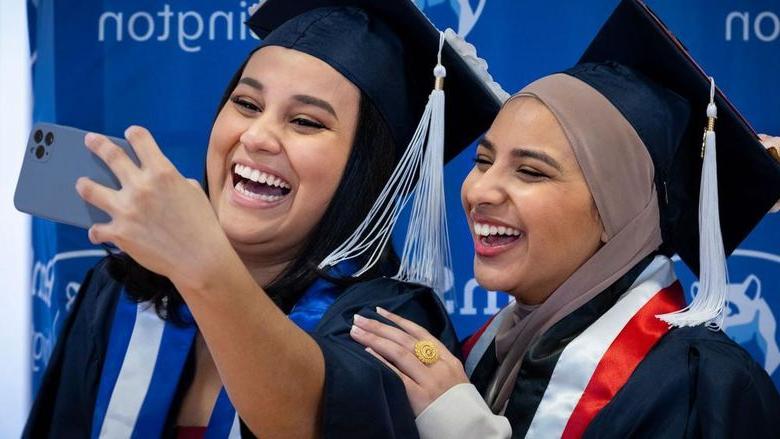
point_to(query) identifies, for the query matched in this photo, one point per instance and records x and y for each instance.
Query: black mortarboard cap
(388, 49)
(647, 74)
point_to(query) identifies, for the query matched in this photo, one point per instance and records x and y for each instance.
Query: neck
(263, 271)
(263, 264)
(533, 299)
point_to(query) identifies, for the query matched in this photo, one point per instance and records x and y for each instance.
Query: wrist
(202, 272)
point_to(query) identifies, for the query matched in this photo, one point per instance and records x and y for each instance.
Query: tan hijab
(619, 172)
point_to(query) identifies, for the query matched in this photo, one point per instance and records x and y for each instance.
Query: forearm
(272, 370)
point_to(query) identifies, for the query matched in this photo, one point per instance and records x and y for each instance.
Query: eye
(531, 173)
(244, 104)
(482, 162)
(307, 123)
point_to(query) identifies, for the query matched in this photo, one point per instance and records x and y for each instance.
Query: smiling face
(277, 151)
(531, 214)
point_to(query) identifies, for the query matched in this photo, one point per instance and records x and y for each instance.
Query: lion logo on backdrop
(466, 13)
(752, 305)
(749, 319)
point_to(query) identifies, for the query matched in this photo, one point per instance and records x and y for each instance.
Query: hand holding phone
(54, 158)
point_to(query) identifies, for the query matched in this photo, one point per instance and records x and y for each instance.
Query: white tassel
(709, 304)
(426, 254)
(426, 251)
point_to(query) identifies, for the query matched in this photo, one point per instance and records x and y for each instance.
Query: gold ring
(426, 352)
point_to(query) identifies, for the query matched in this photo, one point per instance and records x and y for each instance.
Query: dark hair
(369, 166)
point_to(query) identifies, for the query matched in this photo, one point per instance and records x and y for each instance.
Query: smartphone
(54, 158)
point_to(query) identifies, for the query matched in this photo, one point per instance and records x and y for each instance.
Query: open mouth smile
(492, 239)
(259, 186)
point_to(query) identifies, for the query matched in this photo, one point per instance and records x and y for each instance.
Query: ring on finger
(426, 352)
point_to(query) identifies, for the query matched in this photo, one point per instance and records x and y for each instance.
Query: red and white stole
(596, 364)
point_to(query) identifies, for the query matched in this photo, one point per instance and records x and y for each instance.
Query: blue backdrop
(107, 64)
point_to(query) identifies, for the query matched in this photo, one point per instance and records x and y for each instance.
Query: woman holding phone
(215, 319)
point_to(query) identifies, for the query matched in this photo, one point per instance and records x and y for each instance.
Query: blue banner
(108, 64)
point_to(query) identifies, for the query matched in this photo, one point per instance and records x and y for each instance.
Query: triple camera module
(42, 142)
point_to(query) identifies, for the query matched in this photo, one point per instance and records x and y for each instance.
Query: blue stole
(146, 357)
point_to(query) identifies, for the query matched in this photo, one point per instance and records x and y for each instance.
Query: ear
(752, 287)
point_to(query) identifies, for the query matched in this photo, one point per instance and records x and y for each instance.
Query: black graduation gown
(695, 382)
(362, 397)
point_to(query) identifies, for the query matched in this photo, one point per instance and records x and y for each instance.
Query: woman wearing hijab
(583, 187)
(215, 321)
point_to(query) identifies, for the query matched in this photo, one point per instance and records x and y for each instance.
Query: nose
(262, 135)
(483, 189)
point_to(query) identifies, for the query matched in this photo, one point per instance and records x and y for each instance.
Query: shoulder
(702, 359)
(687, 381)
(99, 293)
(709, 350)
(384, 287)
(388, 293)
(412, 301)
(717, 363)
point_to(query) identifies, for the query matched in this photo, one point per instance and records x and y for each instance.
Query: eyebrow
(304, 99)
(254, 83)
(317, 102)
(523, 153)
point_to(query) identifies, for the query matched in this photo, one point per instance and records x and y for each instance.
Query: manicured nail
(381, 311)
(356, 331)
(89, 138)
(358, 318)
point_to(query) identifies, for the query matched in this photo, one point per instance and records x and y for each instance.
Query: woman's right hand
(395, 347)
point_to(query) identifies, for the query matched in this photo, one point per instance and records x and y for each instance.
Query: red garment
(190, 432)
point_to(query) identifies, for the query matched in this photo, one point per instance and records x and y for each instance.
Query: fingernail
(381, 311)
(359, 318)
(89, 138)
(129, 131)
(355, 330)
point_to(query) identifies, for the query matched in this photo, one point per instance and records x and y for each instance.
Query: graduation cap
(394, 55)
(388, 49)
(708, 205)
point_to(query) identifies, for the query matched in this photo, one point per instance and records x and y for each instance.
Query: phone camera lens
(38, 136)
(39, 151)
(49, 139)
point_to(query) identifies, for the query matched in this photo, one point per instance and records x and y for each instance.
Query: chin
(239, 233)
(494, 278)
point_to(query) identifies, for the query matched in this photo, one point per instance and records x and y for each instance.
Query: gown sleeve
(63, 405)
(461, 413)
(362, 397)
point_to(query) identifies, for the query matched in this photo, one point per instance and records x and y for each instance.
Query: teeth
(240, 188)
(260, 176)
(487, 230)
